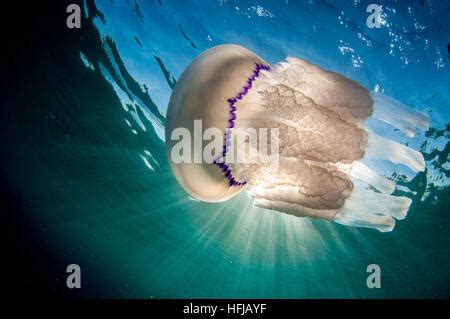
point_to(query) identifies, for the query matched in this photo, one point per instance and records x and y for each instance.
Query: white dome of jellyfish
(322, 139)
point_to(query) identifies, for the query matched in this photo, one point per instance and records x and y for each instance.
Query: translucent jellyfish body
(322, 139)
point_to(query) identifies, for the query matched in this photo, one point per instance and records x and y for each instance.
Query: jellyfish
(322, 138)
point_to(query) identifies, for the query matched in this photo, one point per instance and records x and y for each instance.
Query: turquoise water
(88, 157)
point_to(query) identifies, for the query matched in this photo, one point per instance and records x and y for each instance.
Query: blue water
(118, 211)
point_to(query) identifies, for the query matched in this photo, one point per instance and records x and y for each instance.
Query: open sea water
(84, 155)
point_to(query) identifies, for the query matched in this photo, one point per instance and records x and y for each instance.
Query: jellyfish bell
(204, 92)
(322, 139)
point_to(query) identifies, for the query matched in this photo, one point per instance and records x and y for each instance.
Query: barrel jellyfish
(322, 138)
